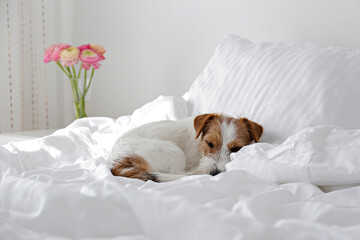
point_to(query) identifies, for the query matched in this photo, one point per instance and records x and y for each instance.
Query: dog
(167, 150)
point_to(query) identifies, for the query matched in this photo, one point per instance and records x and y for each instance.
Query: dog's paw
(206, 166)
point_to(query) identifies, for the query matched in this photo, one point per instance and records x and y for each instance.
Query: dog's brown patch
(243, 136)
(255, 130)
(133, 167)
(208, 125)
(242, 132)
(203, 122)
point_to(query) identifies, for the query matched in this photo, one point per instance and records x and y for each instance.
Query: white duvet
(60, 187)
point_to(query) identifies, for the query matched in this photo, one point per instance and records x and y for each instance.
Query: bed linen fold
(60, 187)
(323, 155)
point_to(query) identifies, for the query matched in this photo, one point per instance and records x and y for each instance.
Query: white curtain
(29, 88)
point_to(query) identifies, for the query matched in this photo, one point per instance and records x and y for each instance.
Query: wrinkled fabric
(60, 187)
(323, 155)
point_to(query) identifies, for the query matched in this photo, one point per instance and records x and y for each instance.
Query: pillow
(162, 108)
(283, 86)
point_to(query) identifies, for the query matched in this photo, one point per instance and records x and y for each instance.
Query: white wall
(160, 46)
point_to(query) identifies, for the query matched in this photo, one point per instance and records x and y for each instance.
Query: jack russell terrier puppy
(167, 150)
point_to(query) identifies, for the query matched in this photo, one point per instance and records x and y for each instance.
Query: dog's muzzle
(214, 172)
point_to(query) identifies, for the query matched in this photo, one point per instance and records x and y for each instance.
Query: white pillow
(162, 108)
(283, 86)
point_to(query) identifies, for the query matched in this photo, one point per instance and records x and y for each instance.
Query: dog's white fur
(171, 148)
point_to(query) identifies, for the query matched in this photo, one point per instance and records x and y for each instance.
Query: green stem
(91, 77)
(75, 99)
(74, 72)
(92, 73)
(85, 80)
(79, 99)
(62, 68)
(68, 69)
(77, 90)
(80, 71)
(82, 107)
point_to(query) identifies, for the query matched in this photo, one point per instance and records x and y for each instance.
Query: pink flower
(90, 58)
(98, 48)
(84, 47)
(69, 56)
(52, 53)
(47, 54)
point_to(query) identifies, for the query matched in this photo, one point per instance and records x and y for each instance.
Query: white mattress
(60, 187)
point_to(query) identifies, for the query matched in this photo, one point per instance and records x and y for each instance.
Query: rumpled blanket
(60, 187)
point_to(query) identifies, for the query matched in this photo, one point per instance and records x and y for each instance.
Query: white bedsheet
(324, 155)
(60, 187)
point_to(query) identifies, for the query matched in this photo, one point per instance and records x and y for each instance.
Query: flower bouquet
(66, 58)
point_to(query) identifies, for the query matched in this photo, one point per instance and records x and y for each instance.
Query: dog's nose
(214, 172)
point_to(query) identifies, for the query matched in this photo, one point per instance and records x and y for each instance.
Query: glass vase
(80, 108)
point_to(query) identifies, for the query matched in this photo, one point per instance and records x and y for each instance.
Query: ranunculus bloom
(69, 56)
(52, 53)
(98, 48)
(89, 58)
(47, 54)
(84, 47)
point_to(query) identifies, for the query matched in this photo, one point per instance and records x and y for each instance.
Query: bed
(300, 182)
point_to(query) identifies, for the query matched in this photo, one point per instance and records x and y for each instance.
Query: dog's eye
(235, 149)
(210, 144)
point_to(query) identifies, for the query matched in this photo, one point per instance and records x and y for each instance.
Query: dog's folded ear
(201, 121)
(255, 130)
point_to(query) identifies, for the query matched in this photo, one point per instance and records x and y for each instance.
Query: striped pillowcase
(283, 86)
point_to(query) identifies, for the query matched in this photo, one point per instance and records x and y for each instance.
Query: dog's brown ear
(201, 121)
(255, 130)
